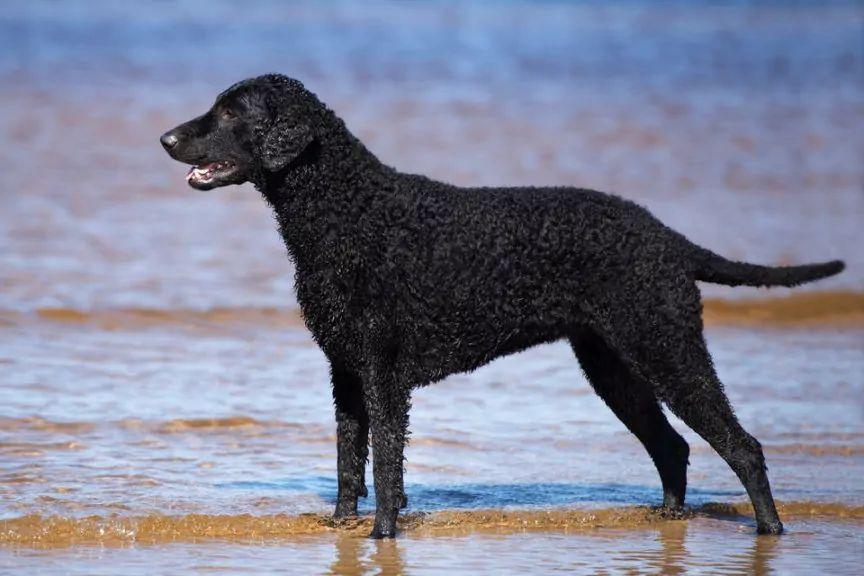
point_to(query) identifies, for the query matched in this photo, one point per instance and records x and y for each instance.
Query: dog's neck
(318, 201)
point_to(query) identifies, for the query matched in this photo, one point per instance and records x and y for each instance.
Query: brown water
(163, 410)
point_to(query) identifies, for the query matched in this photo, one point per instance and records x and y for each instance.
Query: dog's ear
(284, 142)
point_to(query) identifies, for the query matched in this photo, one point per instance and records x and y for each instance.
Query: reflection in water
(764, 550)
(388, 558)
(357, 556)
(348, 560)
(674, 555)
(668, 549)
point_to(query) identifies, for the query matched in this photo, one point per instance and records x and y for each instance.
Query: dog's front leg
(352, 436)
(387, 403)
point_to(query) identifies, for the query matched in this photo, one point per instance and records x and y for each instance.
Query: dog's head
(257, 126)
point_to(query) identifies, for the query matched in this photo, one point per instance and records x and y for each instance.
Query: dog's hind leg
(635, 404)
(668, 349)
(352, 431)
(696, 396)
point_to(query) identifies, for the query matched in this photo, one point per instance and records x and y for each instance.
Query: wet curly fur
(404, 280)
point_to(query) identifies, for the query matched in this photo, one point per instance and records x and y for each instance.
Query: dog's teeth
(206, 171)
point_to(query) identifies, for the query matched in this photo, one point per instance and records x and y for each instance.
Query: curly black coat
(403, 280)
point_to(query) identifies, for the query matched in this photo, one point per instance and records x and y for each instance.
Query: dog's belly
(427, 354)
(433, 336)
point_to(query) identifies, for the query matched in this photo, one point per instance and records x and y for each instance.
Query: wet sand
(163, 409)
(59, 531)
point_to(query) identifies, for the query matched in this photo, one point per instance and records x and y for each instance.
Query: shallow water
(155, 439)
(162, 408)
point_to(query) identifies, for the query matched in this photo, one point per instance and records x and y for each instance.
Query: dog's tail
(710, 267)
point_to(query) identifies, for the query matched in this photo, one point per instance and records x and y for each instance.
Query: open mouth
(209, 175)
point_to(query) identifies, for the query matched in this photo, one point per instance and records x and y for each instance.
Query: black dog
(403, 280)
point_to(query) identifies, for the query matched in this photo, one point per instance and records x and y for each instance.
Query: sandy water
(162, 408)
(199, 446)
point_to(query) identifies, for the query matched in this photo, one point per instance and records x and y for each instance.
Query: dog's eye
(228, 114)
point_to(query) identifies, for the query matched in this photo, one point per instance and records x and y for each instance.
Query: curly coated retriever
(403, 280)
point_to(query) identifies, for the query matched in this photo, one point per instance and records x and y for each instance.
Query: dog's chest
(331, 304)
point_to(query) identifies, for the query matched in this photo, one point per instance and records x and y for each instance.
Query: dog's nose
(168, 140)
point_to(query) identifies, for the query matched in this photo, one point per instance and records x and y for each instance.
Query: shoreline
(828, 309)
(61, 532)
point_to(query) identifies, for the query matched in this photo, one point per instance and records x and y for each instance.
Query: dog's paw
(676, 512)
(382, 533)
(345, 510)
(384, 527)
(773, 528)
